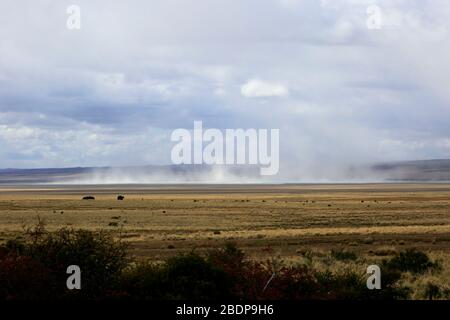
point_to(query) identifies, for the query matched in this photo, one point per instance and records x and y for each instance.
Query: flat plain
(264, 220)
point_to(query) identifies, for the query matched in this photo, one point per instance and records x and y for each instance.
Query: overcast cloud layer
(111, 93)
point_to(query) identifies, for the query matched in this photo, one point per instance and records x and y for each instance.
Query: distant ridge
(418, 170)
(437, 170)
(140, 174)
(45, 175)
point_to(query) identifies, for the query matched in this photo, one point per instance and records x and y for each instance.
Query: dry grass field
(296, 224)
(158, 221)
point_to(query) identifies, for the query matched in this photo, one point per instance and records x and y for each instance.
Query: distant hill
(138, 174)
(420, 171)
(41, 175)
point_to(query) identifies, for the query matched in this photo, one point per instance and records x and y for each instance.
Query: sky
(112, 92)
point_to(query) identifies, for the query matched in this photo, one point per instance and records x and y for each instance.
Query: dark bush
(347, 285)
(185, 277)
(292, 283)
(35, 268)
(100, 258)
(432, 291)
(249, 277)
(343, 255)
(24, 278)
(410, 260)
(258, 280)
(144, 281)
(229, 258)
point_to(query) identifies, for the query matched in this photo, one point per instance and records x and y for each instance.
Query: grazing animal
(120, 197)
(88, 198)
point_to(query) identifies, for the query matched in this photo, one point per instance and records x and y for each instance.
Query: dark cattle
(120, 197)
(88, 198)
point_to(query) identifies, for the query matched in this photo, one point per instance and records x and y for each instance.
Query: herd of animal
(119, 197)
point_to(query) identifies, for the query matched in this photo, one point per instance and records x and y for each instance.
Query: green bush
(410, 260)
(143, 281)
(343, 255)
(432, 291)
(100, 258)
(34, 268)
(342, 286)
(185, 277)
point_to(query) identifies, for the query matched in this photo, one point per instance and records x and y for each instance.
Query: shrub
(410, 260)
(384, 252)
(100, 258)
(343, 255)
(263, 280)
(432, 291)
(249, 277)
(144, 281)
(343, 286)
(35, 268)
(229, 257)
(24, 278)
(292, 283)
(184, 277)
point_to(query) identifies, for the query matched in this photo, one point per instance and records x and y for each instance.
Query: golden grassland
(293, 223)
(158, 221)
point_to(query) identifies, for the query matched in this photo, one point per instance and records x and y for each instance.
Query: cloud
(112, 92)
(260, 89)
